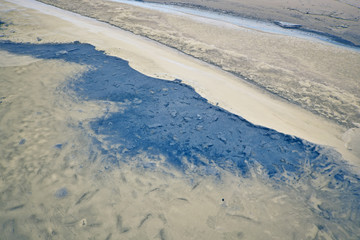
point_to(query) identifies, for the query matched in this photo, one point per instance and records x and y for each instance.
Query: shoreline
(213, 84)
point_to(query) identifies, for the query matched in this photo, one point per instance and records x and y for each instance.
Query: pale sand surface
(156, 60)
(130, 202)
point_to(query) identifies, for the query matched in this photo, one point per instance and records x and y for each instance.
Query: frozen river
(93, 148)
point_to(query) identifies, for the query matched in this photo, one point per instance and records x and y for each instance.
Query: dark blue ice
(169, 118)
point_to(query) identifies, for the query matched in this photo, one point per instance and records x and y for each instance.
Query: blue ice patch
(171, 119)
(168, 118)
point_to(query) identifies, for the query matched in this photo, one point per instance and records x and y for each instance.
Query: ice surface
(164, 133)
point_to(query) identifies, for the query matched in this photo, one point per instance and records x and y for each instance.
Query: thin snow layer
(154, 124)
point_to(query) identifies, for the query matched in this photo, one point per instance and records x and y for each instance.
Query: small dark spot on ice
(82, 198)
(162, 234)
(183, 199)
(108, 236)
(58, 146)
(119, 224)
(195, 186)
(222, 138)
(61, 193)
(320, 227)
(16, 207)
(153, 190)
(22, 141)
(187, 119)
(155, 125)
(86, 196)
(144, 220)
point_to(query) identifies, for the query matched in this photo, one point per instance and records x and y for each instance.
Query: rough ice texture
(169, 120)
